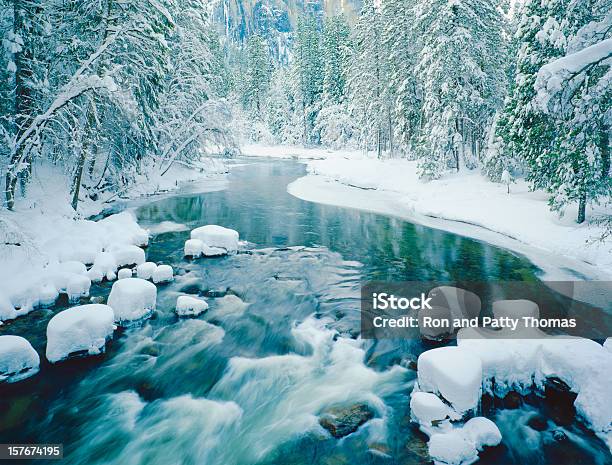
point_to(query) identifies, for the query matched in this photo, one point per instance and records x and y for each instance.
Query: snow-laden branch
(78, 84)
(553, 77)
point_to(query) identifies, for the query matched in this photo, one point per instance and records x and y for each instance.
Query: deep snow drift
(464, 203)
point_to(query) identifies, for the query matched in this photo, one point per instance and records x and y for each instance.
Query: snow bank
(190, 306)
(454, 374)
(465, 203)
(53, 253)
(460, 446)
(163, 274)
(216, 237)
(132, 299)
(18, 359)
(84, 328)
(497, 366)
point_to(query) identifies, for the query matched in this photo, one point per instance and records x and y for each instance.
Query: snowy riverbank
(45, 245)
(464, 203)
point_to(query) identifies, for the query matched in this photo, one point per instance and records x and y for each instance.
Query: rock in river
(343, 420)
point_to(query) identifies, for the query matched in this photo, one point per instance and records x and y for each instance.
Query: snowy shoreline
(464, 204)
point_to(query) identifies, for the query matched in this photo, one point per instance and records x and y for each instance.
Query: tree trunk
(23, 98)
(78, 175)
(581, 209)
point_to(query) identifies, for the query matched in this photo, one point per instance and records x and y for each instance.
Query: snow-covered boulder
(146, 270)
(447, 303)
(7, 311)
(190, 306)
(453, 373)
(77, 286)
(427, 408)
(124, 273)
(515, 309)
(193, 248)
(18, 359)
(128, 255)
(104, 266)
(79, 330)
(123, 228)
(460, 446)
(132, 299)
(217, 237)
(208, 251)
(163, 274)
(47, 295)
(71, 266)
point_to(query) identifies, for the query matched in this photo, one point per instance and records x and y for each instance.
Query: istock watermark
(505, 310)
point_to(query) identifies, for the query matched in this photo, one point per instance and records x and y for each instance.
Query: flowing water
(244, 383)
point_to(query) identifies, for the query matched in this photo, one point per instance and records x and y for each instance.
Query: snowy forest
(115, 90)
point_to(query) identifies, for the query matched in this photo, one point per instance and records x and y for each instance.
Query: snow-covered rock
(217, 237)
(453, 373)
(447, 303)
(124, 273)
(18, 359)
(193, 248)
(85, 328)
(132, 299)
(7, 311)
(104, 266)
(208, 251)
(460, 446)
(123, 228)
(608, 344)
(146, 270)
(77, 287)
(71, 266)
(522, 364)
(128, 255)
(163, 274)
(47, 295)
(190, 306)
(515, 309)
(427, 408)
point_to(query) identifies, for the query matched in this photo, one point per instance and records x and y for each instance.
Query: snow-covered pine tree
(310, 71)
(257, 75)
(575, 92)
(334, 123)
(403, 86)
(461, 69)
(525, 132)
(368, 74)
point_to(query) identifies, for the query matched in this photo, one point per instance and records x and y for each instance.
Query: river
(244, 383)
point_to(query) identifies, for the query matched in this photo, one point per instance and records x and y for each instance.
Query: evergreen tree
(461, 67)
(310, 70)
(257, 75)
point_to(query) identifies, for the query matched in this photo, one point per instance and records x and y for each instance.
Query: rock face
(341, 421)
(275, 20)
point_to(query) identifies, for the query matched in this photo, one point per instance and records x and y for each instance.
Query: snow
(132, 299)
(124, 273)
(608, 344)
(515, 309)
(146, 270)
(104, 266)
(427, 407)
(7, 311)
(77, 287)
(465, 203)
(54, 248)
(18, 359)
(216, 237)
(82, 328)
(193, 248)
(190, 306)
(163, 274)
(128, 255)
(520, 364)
(460, 446)
(454, 374)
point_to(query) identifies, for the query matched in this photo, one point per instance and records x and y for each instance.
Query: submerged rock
(343, 420)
